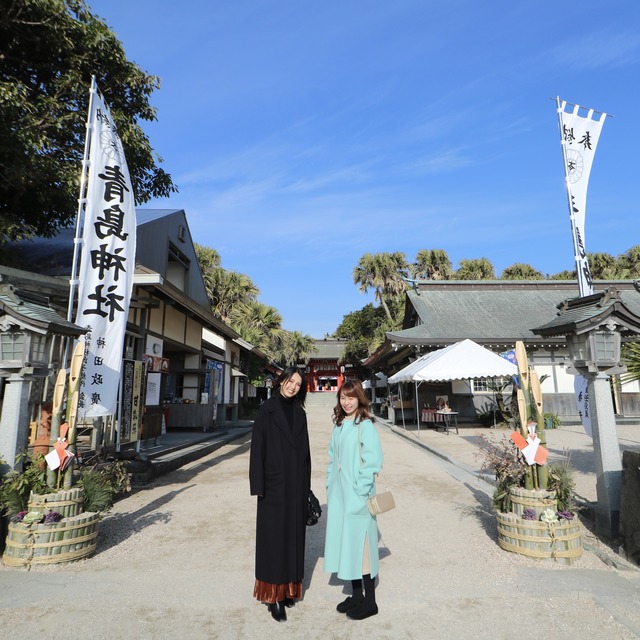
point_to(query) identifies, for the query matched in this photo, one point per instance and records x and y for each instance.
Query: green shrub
(16, 486)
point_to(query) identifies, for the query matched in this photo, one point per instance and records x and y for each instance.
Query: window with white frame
(491, 385)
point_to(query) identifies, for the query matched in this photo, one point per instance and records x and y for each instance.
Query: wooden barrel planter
(69, 539)
(541, 540)
(523, 499)
(69, 502)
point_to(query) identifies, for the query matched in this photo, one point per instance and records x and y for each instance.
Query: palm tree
(296, 348)
(476, 269)
(260, 325)
(604, 266)
(520, 271)
(432, 264)
(630, 262)
(564, 275)
(231, 290)
(225, 289)
(383, 272)
(209, 261)
(631, 358)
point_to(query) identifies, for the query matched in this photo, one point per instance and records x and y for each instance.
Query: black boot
(367, 606)
(353, 600)
(278, 611)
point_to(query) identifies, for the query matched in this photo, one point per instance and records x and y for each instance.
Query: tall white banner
(107, 264)
(579, 138)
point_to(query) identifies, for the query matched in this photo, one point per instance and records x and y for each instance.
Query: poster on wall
(155, 363)
(154, 380)
(136, 403)
(213, 383)
(131, 400)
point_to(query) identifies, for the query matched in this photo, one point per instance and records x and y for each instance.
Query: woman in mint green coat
(351, 543)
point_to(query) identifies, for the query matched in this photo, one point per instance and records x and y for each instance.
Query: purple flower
(565, 515)
(18, 517)
(529, 514)
(51, 517)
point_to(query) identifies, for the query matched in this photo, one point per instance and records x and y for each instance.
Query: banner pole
(77, 241)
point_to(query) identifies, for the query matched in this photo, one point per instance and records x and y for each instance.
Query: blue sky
(302, 135)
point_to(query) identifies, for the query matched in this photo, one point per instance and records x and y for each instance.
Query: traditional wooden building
(194, 356)
(324, 370)
(496, 314)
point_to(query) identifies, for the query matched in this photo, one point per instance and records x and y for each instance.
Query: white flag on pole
(107, 264)
(579, 138)
(579, 135)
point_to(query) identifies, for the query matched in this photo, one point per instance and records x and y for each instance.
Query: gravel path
(175, 560)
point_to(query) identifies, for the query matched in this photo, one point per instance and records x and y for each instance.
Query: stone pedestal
(14, 422)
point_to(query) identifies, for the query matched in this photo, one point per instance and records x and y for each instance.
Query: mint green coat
(349, 483)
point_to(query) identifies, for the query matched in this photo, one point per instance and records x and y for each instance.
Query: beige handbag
(380, 502)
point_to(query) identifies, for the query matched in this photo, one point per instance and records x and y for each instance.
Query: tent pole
(494, 408)
(417, 405)
(404, 426)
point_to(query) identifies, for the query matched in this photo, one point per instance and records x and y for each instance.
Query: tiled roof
(492, 311)
(584, 313)
(34, 311)
(328, 349)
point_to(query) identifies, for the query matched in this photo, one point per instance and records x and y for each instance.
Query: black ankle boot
(352, 601)
(367, 606)
(278, 611)
(363, 610)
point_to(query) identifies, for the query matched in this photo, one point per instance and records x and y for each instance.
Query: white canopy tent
(460, 361)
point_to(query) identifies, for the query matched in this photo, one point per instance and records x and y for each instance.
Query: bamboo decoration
(56, 420)
(533, 527)
(536, 392)
(560, 542)
(529, 396)
(73, 391)
(70, 539)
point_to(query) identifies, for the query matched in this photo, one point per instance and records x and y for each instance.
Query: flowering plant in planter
(35, 517)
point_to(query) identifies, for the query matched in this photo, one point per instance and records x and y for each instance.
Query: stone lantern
(31, 335)
(594, 327)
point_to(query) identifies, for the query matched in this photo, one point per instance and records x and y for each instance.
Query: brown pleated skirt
(272, 593)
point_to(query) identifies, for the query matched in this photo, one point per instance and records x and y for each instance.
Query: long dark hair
(352, 389)
(288, 373)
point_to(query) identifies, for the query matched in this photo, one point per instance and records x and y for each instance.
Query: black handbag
(313, 509)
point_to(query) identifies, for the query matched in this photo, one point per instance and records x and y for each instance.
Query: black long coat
(280, 472)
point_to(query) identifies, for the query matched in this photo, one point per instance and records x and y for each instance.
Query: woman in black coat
(280, 475)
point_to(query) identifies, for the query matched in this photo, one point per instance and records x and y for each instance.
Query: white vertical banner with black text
(579, 135)
(105, 278)
(579, 139)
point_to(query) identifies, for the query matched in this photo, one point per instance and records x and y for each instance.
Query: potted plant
(551, 421)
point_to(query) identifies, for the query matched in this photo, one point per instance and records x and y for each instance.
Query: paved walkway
(463, 448)
(175, 560)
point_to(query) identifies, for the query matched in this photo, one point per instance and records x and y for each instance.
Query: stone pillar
(608, 460)
(14, 421)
